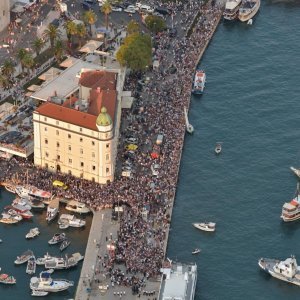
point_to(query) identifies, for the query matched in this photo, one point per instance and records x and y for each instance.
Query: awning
(90, 46)
(33, 88)
(50, 74)
(68, 62)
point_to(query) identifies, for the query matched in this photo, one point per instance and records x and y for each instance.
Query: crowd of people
(159, 107)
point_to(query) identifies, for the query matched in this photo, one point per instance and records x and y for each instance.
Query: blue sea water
(251, 104)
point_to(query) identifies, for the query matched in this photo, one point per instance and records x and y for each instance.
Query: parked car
(130, 9)
(115, 8)
(146, 8)
(131, 147)
(132, 140)
(163, 10)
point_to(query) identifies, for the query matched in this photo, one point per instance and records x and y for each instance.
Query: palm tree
(21, 55)
(4, 81)
(71, 30)
(90, 18)
(81, 32)
(106, 10)
(28, 61)
(59, 50)
(52, 33)
(38, 45)
(8, 68)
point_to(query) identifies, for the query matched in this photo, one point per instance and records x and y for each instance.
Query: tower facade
(4, 14)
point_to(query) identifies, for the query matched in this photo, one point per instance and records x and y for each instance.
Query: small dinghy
(64, 245)
(218, 148)
(39, 293)
(196, 251)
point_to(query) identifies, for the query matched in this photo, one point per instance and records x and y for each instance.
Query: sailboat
(291, 210)
(189, 127)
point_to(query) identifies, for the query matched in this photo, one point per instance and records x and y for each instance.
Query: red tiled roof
(103, 79)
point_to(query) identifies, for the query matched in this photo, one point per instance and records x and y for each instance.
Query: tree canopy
(133, 27)
(136, 52)
(155, 24)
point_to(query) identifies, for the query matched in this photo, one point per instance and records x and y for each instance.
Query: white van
(146, 8)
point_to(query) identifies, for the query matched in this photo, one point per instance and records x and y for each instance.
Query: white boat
(33, 232)
(21, 202)
(196, 251)
(10, 188)
(57, 238)
(60, 263)
(64, 245)
(24, 257)
(31, 265)
(36, 293)
(41, 260)
(218, 148)
(208, 226)
(52, 212)
(67, 220)
(77, 207)
(7, 279)
(29, 191)
(8, 219)
(291, 210)
(179, 281)
(248, 9)
(296, 171)
(232, 9)
(199, 82)
(286, 270)
(36, 204)
(13, 214)
(45, 283)
(189, 127)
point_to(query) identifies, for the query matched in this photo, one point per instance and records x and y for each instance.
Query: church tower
(4, 14)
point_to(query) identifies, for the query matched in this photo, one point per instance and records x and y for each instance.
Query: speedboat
(33, 232)
(77, 207)
(57, 238)
(31, 265)
(7, 279)
(45, 283)
(64, 245)
(8, 219)
(218, 148)
(70, 220)
(39, 293)
(199, 82)
(286, 270)
(52, 212)
(196, 251)
(210, 226)
(59, 263)
(248, 9)
(41, 260)
(36, 204)
(29, 191)
(296, 171)
(12, 214)
(24, 257)
(232, 9)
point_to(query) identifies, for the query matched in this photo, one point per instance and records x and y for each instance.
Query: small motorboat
(7, 279)
(196, 251)
(218, 148)
(64, 245)
(24, 257)
(57, 238)
(31, 265)
(41, 260)
(35, 293)
(210, 226)
(33, 232)
(296, 171)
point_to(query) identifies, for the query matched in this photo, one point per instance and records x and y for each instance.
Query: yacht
(29, 191)
(67, 220)
(296, 171)
(42, 260)
(291, 210)
(52, 212)
(7, 279)
(60, 263)
(210, 226)
(77, 207)
(13, 214)
(31, 265)
(232, 9)
(57, 238)
(33, 232)
(199, 82)
(23, 211)
(248, 9)
(179, 281)
(286, 270)
(9, 219)
(21, 203)
(24, 257)
(45, 283)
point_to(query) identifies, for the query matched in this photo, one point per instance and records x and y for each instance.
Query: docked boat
(23, 211)
(248, 10)
(60, 263)
(209, 226)
(36, 204)
(179, 281)
(286, 270)
(189, 127)
(24, 257)
(42, 260)
(218, 148)
(291, 210)
(36, 293)
(296, 171)
(67, 220)
(33, 232)
(52, 212)
(57, 238)
(7, 279)
(8, 219)
(10, 188)
(21, 204)
(64, 245)
(231, 11)
(199, 82)
(196, 251)
(45, 283)
(29, 191)
(77, 207)
(31, 265)
(13, 213)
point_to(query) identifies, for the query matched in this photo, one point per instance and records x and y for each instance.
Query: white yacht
(60, 263)
(29, 191)
(24, 257)
(42, 260)
(248, 9)
(210, 226)
(286, 270)
(67, 220)
(232, 9)
(45, 283)
(33, 232)
(77, 207)
(31, 265)
(291, 210)
(179, 281)
(52, 212)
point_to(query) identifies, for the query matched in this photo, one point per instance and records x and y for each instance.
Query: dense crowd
(158, 109)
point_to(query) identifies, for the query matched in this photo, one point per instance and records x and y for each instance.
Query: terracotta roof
(103, 79)
(68, 115)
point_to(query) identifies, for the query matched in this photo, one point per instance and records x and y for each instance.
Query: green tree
(136, 52)
(8, 68)
(38, 45)
(81, 32)
(51, 33)
(133, 27)
(28, 61)
(90, 18)
(21, 54)
(59, 50)
(155, 24)
(71, 30)
(106, 10)
(4, 81)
